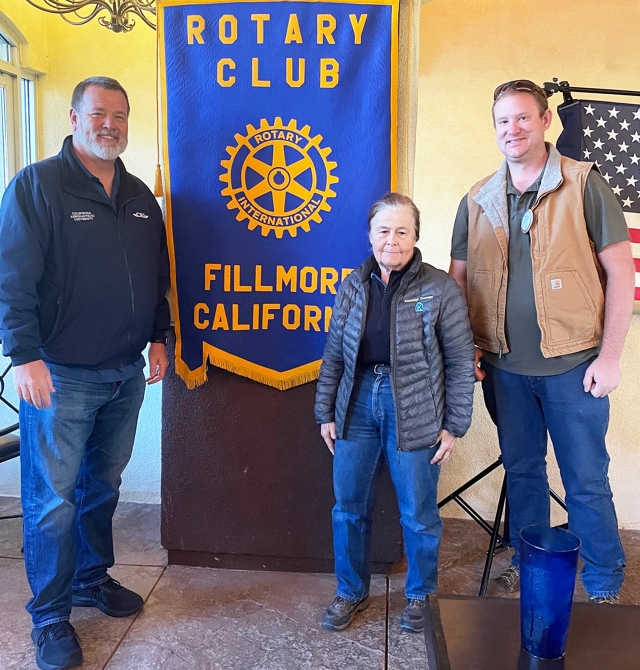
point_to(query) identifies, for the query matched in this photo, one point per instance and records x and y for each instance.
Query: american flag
(608, 134)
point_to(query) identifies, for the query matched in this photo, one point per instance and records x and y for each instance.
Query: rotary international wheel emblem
(278, 177)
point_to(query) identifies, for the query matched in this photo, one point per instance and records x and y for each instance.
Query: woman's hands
(447, 443)
(328, 432)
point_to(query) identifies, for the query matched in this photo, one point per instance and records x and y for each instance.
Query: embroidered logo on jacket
(141, 215)
(83, 216)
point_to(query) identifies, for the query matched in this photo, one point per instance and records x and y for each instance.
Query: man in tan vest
(541, 251)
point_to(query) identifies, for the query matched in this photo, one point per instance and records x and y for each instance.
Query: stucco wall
(468, 47)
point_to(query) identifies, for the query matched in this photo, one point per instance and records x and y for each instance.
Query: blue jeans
(370, 434)
(524, 408)
(72, 456)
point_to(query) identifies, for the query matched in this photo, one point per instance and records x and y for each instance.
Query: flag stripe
(634, 235)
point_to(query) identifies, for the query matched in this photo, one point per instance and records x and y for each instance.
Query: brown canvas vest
(567, 285)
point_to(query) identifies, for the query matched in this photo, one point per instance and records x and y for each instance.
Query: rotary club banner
(279, 134)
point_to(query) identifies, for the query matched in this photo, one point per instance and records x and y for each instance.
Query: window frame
(13, 72)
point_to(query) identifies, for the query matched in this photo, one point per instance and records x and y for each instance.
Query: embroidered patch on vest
(556, 284)
(419, 307)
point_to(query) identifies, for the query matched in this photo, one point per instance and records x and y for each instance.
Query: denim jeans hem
(89, 585)
(48, 622)
(604, 594)
(344, 596)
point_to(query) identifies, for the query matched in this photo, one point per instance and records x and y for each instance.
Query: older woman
(396, 382)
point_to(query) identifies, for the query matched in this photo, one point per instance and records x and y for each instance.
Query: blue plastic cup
(548, 565)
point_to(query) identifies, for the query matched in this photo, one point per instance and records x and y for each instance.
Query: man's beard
(89, 139)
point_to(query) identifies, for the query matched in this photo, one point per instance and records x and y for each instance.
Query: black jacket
(81, 283)
(432, 355)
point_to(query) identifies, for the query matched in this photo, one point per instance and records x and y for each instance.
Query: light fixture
(120, 17)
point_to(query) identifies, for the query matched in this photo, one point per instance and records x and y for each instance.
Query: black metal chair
(9, 442)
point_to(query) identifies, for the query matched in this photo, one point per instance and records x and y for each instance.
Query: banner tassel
(157, 184)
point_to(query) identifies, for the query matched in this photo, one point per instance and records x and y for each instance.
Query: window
(17, 111)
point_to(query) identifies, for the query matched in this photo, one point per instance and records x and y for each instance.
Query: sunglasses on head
(524, 85)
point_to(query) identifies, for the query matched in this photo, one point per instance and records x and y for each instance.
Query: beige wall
(468, 47)
(66, 54)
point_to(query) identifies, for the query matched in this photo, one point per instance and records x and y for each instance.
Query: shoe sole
(408, 628)
(360, 608)
(105, 610)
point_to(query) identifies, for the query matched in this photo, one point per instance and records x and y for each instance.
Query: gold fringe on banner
(238, 366)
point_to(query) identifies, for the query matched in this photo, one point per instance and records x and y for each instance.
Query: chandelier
(120, 13)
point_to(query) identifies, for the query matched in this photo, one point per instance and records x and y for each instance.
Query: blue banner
(279, 133)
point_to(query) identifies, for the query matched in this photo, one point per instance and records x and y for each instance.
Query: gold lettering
(228, 29)
(237, 286)
(345, 273)
(255, 322)
(308, 279)
(258, 282)
(220, 320)
(326, 24)
(209, 274)
(267, 316)
(329, 71)
(260, 21)
(235, 319)
(293, 33)
(256, 82)
(328, 311)
(291, 323)
(295, 83)
(199, 309)
(229, 81)
(227, 278)
(357, 26)
(312, 316)
(328, 280)
(286, 277)
(195, 26)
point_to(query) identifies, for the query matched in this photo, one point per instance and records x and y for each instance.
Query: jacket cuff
(456, 432)
(26, 357)
(159, 337)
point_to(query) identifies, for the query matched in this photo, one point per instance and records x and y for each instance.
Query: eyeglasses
(524, 85)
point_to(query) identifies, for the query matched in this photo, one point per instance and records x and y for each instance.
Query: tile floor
(204, 619)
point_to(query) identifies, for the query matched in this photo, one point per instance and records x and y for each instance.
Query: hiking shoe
(341, 612)
(57, 646)
(509, 579)
(599, 600)
(109, 597)
(412, 620)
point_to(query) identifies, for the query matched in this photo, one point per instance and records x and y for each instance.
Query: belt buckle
(379, 368)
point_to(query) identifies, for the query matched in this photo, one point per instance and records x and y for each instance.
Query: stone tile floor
(205, 619)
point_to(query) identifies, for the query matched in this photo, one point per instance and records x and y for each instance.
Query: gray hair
(394, 200)
(105, 83)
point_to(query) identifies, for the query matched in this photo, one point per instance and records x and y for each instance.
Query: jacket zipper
(126, 262)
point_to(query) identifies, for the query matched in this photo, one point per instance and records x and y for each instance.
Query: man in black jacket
(83, 277)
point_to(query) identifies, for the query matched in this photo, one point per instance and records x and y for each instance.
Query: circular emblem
(278, 177)
(527, 221)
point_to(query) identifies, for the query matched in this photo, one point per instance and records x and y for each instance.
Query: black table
(471, 633)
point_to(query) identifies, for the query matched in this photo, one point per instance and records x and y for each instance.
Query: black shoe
(57, 646)
(412, 620)
(508, 581)
(341, 612)
(109, 597)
